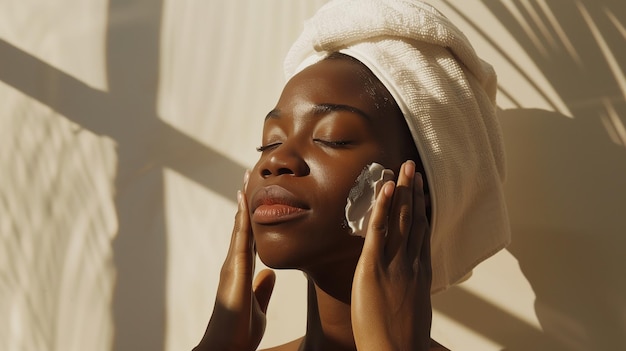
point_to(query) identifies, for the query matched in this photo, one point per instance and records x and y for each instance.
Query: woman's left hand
(391, 308)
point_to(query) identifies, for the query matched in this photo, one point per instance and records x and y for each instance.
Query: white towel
(447, 95)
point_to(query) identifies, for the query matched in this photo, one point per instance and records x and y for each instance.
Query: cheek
(336, 179)
(332, 194)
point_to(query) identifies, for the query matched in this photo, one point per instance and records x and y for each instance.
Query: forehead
(339, 81)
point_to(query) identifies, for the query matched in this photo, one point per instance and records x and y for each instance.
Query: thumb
(263, 287)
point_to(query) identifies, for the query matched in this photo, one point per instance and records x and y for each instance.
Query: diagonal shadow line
(145, 144)
(491, 321)
(174, 149)
(24, 72)
(583, 80)
(199, 163)
(509, 59)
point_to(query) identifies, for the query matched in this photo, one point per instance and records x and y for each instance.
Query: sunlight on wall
(57, 217)
(194, 253)
(464, 338)
(531, 89)
(44, 30)
(127, 126)
(510, 293)
(58, 220)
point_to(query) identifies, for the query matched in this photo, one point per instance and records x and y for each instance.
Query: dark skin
(331, 121)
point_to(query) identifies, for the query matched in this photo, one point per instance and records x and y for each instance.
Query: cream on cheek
(363, 195)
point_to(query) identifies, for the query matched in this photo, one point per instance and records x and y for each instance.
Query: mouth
(274, 204)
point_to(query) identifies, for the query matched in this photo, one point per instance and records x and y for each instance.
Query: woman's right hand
(238, 320)
(391, 306)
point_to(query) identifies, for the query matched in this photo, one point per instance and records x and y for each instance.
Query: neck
(329, 325)
(329, 320)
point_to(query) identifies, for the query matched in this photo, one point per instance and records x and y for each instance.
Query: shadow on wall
(566, 191)
(567, 196)
(145, 147)
(567, 176)
(566, 186)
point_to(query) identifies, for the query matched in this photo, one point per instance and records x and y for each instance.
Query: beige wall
(126, 126)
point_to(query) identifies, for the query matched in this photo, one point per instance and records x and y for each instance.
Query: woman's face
(330, 122)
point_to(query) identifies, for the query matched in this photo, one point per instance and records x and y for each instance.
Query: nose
(285, 159)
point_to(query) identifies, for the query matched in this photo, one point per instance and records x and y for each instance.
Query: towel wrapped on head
(447, 95)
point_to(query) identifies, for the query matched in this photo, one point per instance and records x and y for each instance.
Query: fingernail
(239, 197)
(388, 189)
(409, 168)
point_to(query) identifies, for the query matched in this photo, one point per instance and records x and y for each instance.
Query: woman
(391, 82)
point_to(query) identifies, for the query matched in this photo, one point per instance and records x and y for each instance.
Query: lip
(274, 204)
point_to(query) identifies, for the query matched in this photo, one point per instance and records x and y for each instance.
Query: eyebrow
(322, 109)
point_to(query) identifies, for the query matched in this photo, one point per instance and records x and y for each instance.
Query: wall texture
(126, 126)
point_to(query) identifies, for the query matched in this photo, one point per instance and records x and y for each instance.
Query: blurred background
(126, 127)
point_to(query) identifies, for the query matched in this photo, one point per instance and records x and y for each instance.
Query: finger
(238, 268)
(263, 287)
(239, 240)
(425, 264)
(419, 235)
(425, 256)
(377, 227)
(240, 258)
(401, 216)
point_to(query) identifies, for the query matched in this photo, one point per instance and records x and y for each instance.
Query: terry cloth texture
(447, 95)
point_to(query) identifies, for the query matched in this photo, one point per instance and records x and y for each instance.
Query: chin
(278, 254)
(284, 246)
(277, 251)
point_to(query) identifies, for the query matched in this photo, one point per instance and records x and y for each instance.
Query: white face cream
(363, 195)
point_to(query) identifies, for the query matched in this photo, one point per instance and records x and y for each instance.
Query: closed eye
(334, 143)
(267, 147)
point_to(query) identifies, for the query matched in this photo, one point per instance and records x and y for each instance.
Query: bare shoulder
(290, 346)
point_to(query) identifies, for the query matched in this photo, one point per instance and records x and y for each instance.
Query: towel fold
(447, 95)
